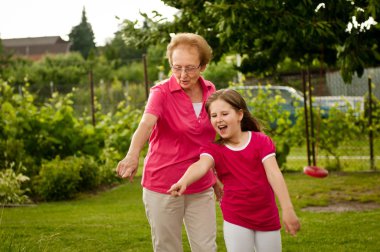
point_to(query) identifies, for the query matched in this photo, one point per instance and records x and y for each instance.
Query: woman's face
(225, 119)
(186, 66)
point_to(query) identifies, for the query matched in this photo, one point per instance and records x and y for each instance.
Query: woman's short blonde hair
(190, 39)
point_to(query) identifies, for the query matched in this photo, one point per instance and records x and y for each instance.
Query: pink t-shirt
(177, 137)
(248, 199)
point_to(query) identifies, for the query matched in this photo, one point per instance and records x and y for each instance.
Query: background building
(35, 48)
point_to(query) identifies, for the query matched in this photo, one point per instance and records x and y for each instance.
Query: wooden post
(370, 133)
(91, 79)
(146, 77)
(306, 118)
(311, 118)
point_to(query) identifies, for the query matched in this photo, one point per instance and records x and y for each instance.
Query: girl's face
(186, 66)
(225, 119)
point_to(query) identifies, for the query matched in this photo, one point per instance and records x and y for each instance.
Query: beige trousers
(166, 214)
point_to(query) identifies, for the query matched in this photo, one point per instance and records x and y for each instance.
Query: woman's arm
(276, 180)
(195, 171)
(128, 166)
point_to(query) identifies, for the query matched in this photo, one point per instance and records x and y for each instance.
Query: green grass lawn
(115, 220)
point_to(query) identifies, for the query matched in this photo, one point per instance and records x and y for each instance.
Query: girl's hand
(127, 167)
(291, 222)
(177, 189)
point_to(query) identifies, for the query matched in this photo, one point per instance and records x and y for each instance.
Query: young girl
(244, 160)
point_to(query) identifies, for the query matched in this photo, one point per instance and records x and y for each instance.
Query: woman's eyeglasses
(188, 69)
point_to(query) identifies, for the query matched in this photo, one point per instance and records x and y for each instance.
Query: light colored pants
(166, 214)
(240, 239)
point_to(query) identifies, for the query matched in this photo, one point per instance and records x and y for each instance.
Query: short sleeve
(155, 102)
(210, 150)
(268, 148)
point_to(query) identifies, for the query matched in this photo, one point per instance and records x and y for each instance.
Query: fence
(351, 153)
(363, 152)
(358, 87)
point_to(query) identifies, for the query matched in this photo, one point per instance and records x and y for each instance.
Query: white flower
(354, 22)
(362, 27)
(360, 9)
(349, 27)
(320, 6)
(370, 21)
(366, 25)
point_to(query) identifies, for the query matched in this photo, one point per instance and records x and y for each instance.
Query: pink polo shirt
(177, 137)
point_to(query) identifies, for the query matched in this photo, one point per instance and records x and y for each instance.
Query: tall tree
(121, 53)
(82, 37)
(265, 32)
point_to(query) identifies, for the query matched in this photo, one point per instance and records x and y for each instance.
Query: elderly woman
(176, 124)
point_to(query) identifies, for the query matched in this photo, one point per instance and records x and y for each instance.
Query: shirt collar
(174, 86)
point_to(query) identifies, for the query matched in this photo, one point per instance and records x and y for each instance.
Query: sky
(38, 18)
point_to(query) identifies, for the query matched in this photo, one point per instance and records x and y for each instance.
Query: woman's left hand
(218, 189)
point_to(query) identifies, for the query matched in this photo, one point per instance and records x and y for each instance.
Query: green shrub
(89, 173)
(10, 187)
(17, 114)
(109, 159)
(375, 113)
(334, 130)
(59, 179)
(121, 127)
(31, 133)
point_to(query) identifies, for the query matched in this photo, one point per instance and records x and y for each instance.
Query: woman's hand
(218, 189)
(291, 222)
(127, 167)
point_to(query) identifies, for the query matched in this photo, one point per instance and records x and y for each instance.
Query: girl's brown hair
(190, 39)
(232, 97)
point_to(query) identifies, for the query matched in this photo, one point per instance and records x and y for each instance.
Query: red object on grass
(315, 171)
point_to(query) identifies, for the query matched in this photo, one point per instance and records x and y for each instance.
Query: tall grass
(115, 220)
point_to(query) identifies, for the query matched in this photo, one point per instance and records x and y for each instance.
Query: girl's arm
(195, 171)
(276, 180)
